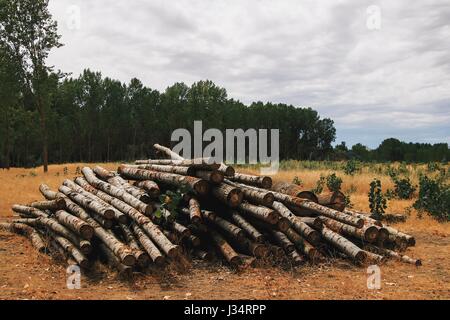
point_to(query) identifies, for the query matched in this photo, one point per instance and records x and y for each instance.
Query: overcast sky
(379, 72)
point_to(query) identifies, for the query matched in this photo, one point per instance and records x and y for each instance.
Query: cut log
(28, 211)
(197, 185)
(166, 151)
(252, 195)
(282, 240)
(184, 171)
(75, 224)
(202, 255)
(226, 170)
(334, 200)
(142, 257)
(144, 222)
(367, 219)
(124, 270)
(150, 186)
(247, 227)
(200, 163)
(306, 231)
(411, 241)
(227, 194)
(29, 232)
(87, 203)
(259, 181)
(227, 251)
(344, 245)
(262, 213)
(296, 258)
(368, 233)
(226, 226)
(400, 257)
(294, 191)
(195, 214)
(57, 204)
(313, 222)
(214, 177)
(70, 248)
(116, 192)
(148, 245)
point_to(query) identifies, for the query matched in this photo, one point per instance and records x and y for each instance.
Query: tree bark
(151, 187)
(226, 226)
(367, 219)
(148, 245)
(75, 224)
(199, 164)
(344, 245)
(261, 213)
(334, 200)
(195, 213)
(367, 233)
(57, 204)
(168, 152)
(142, 258)
(259, 181)
(214, 177)
(282, 240)
(27, 231)
(194, 184)
(70, 248)
(124, 270)
(255, 196)
(227, 194)
(245, 225)
(294, 191)
(227, 251)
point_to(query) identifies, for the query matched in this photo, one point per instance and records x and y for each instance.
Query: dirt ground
(26, 274)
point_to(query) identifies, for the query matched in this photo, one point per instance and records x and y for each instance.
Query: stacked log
(156, 211)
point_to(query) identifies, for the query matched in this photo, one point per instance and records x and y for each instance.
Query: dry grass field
(26, 274)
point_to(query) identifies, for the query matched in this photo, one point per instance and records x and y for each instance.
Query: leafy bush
(434, 198)
(319, 185)
(297, 181)
(377, 202)
(404, 188)
(351, 167)
(334, 182)
(433, 166)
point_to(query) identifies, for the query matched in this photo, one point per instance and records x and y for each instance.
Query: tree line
(48, 116)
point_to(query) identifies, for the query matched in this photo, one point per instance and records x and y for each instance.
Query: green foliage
(377, 202)
(404, 188)
(334, 182)
(297, 181)
(319, 185)
(433, 166)
(434, 198)
(170, 200)
(351, 167)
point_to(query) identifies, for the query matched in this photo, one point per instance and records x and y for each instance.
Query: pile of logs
(160, 211)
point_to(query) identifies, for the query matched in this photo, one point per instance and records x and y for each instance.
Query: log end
(174, 251)
(201, 187)
(266, 182)
(361, 256)
(86, 231)
(142, 259)
(149, 210)
(129, 260)
(85, 246)
(260, 251)
(283, 224)
(109, 214)
(159, 261)
(235, 197)
(371, 234)
(121, 218)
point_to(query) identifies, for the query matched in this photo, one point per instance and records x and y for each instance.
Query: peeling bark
(247, 227)
(150, 186)
(227, 251)
(227, 194)
(262, 213)
(57, 204)
(148, 245)
(259, 181)
(334, 200)
(344, 245)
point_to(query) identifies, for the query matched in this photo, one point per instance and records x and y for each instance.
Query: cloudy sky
(379, 69)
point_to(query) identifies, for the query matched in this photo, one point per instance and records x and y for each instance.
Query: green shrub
(351, 167)
(297, 181)
(377, 202)
(334, 182)
(319, 185)
(404, 188)
(434, 198)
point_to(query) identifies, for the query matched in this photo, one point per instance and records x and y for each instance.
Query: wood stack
(128, 219)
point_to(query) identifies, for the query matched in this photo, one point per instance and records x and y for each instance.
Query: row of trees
(394, 150)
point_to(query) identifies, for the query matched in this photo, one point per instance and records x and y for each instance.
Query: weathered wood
(29, 211)
(400, 257)
(226, 226)
(123, 269)
(70, 248)
(151, 187)
(264, 182)
(368, 233)
(180, 229)
(75, 224)
(194, 240)
(123, 253)
(252, 195)
(214, 177)
(366, 218)
(296, 258)
(262, 213)
(411, 241)
(282, 240)
(334, 200)
(199, 163)
(257, 250)
(227, 251)
(197, 185)
(184, 171)
(344, 245)
(57, 204)
(116, 192)
(246, 226)
(148, 245)
(313, 222)
(227, 194)
(27, 231)
(143, 221)
(294, 191)
(167, 152)
(142, 258)
(87, 202)
(226, 170)
(306, 231)
(89, 191)
(195, 214)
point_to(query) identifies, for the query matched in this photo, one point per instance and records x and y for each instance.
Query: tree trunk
(245, 225)
(306, 231)
(366, 233)
(334, 200)
(294, 191)
(261, 213)
(195, 213)
(116, 192)
(227, 194)
(142, 258)
(199, 164)
(344, 245)
(43, 124)
(282, 240)
(148, 245)
(199, 186)
(259, 181)
(75, 224)
(151, 187)
(124, 270)
(366, 218)
(227, 251)
(167, 152)
(214, 177)
(69, 247)
(57, 204)
(255, 196)
(226, 226)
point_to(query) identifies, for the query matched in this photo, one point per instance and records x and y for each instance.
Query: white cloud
(308, 53)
